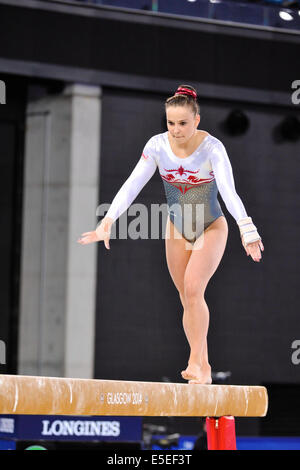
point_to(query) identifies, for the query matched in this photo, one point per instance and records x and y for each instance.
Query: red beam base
(221, 433)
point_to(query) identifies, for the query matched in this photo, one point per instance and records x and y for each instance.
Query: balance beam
(85, 397)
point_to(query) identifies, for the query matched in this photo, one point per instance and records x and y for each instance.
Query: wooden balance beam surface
(82, 397)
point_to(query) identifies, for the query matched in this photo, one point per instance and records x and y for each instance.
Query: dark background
(254, 307)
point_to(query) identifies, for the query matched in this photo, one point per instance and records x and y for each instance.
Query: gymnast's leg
(177, 256)
(191, 271)
(178, 253)
(205, 258)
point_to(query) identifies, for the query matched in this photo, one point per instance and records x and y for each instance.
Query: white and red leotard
(190, 183)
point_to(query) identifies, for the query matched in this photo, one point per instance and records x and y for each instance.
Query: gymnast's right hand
(102, 232)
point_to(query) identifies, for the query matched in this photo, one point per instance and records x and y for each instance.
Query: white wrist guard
(248, 231)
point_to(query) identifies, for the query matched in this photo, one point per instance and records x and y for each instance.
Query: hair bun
(186, 91)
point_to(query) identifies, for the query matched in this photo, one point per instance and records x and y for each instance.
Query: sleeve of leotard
(141, 174)
(224, 178)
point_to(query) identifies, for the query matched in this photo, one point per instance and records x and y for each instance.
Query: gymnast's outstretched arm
(225, 181)
(141, 174)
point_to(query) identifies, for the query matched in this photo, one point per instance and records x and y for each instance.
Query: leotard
(191, 184)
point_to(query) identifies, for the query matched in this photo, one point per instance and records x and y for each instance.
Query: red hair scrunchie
(186, 91)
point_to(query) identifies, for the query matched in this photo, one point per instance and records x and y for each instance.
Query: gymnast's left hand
(254, 250)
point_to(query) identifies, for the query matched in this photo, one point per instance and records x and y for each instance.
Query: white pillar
(58, 276)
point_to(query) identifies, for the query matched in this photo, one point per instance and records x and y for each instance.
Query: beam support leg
(221, 433)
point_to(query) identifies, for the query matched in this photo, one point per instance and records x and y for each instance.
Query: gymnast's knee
(193, 292)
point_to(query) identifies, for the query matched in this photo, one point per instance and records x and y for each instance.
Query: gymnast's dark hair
(185, 95)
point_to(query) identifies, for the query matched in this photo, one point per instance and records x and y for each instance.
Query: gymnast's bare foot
(207, 381)
(195, 374)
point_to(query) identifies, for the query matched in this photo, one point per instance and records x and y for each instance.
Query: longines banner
(71, 428)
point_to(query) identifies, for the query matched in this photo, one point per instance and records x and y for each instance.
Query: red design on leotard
(190, 181)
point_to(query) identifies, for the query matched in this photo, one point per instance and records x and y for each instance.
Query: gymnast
(194, 167)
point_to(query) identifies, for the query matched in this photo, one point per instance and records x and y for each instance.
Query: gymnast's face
(182, 123)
